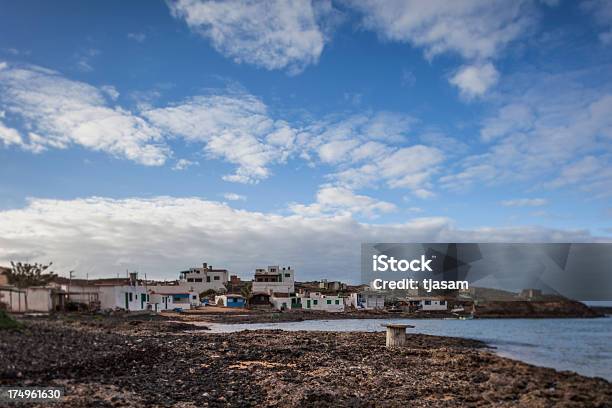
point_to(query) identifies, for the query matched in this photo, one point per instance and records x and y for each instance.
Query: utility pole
(70, 275)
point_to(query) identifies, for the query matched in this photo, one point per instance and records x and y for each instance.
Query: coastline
(487, 310)
(141, 361)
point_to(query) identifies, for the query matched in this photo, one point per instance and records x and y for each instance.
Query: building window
(194, 297)
(314, 302)
(428, 302)
(216, 278)
(337, 302)
(130, 296)
(328, 301)
(208, 279)
(442, 302)
(287, 275)
(189, 279)
(197, 280)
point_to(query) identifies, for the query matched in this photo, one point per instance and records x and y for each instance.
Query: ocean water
(580, 345)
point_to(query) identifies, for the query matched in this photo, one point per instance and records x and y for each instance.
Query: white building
(366, 300)
(283, 302)
(205, 278)
(182, 296)
(41, 299)
(159, 302)
(429, 303)
(127, 296)
(274, 280)
(230, 300)
(13, 298)
(33, 299)
(311, 301)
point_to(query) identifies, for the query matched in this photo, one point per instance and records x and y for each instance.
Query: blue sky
(153, 135)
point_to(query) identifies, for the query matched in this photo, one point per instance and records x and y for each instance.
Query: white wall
(280, 302)
(160, 302)
(14, 298)
(182, 287)
(198, 280)
(328, 303)
(286, 285)
(433, 305)
(39, 299)
(113, 297)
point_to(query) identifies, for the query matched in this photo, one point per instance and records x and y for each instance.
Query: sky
(154, 136)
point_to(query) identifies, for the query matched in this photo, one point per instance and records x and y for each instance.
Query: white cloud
(110, 91)
(274, 34)
(601, 10)
(160, 236)
(234, 127)
(84, 59)
(365, 151)
(231, 125)
(183, 164)
(9, 136)
(544, 123)
(423, 193)
(407, 167)
(138, 37)
(476, 29)
(475, 80)
(336, 150)
(524, 202)
(339, 200)
(59, 112)
(510, 119)
(234, 197)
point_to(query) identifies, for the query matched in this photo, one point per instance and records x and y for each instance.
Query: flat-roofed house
(274, 279)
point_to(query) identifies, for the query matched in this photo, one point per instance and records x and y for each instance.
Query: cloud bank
(160, 236)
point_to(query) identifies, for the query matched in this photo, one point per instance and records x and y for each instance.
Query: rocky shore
(152, 362)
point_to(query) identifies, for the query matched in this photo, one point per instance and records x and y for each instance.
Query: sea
(580, 345)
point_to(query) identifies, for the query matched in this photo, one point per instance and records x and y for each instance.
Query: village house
(274, 280)
(32, 299)
(44, 299)
(230, 300)
(159, 302)
(282, 301)
(428, 303)
(185, 296)
(205, 278)
(127, 296)
(314, 301)
(260, 300)
(333, 286)
(366, 300)
(12, 298)
(531, 294)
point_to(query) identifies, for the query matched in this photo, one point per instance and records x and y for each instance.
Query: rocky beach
(151, 361)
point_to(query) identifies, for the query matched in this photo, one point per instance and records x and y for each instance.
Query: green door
(127, 304)
(308, 304)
